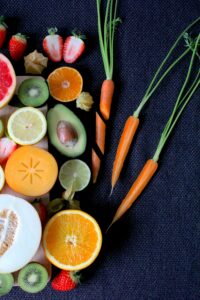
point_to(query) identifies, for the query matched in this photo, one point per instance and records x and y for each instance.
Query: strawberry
(3, 31)
(7, 147)
(41, 209)
(53, 45)
(65, 281)
(74, 46)
(17, 46)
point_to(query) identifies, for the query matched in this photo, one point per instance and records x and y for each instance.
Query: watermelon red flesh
(7, 79)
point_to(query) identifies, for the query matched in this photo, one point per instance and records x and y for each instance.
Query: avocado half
(61, 114)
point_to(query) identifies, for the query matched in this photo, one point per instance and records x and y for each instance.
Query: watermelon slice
(7, 80)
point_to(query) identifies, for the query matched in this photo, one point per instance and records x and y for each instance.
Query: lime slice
(2, 178)
(27, 126)
(74, 174)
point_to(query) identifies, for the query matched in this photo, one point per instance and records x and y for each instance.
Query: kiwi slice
(6, 283)
(33, 92)
(33, 278)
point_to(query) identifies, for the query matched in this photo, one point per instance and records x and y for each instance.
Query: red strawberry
(41, 209)
(74, 46)
(7, 147)
(3, 31)
(53, 45)
(65, 281)
(17, 46)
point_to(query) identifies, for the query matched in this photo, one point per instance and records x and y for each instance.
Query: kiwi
(33, 92)
(6, 283)
(33, 278)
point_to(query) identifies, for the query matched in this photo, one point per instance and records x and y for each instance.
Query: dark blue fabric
(154, 251)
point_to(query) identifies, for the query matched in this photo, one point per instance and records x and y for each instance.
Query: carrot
(151, 165)
(106, 34)
(100, 133)
(107, 91)
(127, 136)
(126, 140)
(95, 165)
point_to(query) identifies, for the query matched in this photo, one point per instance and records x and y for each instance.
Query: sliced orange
(65, 84)
(72, 240)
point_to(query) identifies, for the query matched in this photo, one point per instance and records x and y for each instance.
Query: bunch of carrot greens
(187, 91)
(106, 32)
(132, 122)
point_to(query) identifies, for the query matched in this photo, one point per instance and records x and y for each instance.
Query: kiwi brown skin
(33, 278)
(6, 283)
(33, 92)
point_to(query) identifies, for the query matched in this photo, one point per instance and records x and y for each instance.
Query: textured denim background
(154, 252)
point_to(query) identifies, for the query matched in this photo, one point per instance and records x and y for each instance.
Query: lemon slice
(2, 178)
(27, 126)
(75, 175)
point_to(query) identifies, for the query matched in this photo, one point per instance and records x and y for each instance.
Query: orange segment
(72, 240)
(65, 84)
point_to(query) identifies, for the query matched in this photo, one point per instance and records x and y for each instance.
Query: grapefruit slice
(7, 80)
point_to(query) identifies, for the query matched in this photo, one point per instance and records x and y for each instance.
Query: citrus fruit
(72, 240)
(74, 174)
(7, 80)
(2, 178)
(31, 171)
(20, 233)
(65, 84)
(27, 126)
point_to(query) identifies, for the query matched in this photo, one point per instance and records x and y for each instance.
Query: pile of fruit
(71, 239)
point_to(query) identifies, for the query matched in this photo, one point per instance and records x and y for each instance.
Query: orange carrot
(138, 186)
(96, 162)
(126, 139)
(107, 91)
(100, 133)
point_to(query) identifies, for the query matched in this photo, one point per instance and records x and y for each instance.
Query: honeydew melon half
(20, 233)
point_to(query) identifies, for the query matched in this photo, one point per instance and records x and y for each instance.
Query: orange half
(65, 84)
(72, 240)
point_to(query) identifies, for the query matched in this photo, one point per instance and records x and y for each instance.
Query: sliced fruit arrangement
(74, 47)
(53, 45)
(3, 31)
(19, 238)
(7, 82)
(27, 126)
(33, 92)
(65, 84)
(65, 281)
(7, 147)
(17, 46)
(66, 131)
(6, 283)
(74, 174)
(31, 171)
(72, 240)
(33, 278)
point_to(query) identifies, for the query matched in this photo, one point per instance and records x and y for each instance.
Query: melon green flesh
(62, 113)
(21, 232)
(6, 283)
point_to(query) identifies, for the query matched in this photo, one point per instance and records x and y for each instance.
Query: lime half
(74, 174)
(27, 126)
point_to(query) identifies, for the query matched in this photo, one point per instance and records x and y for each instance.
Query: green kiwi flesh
(33, 92)
(6, 283)
(33, 278)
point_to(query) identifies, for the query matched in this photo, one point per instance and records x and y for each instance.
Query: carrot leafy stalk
(151, 165)
(106, 32)
(128, 133)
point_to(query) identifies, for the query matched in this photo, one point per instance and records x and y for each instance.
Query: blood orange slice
(7, 80)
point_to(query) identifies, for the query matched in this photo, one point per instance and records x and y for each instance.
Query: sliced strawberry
(65, 281)
(3, 31)
(17, 46)
(53, 45)
(7, 147)
(74, 46)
